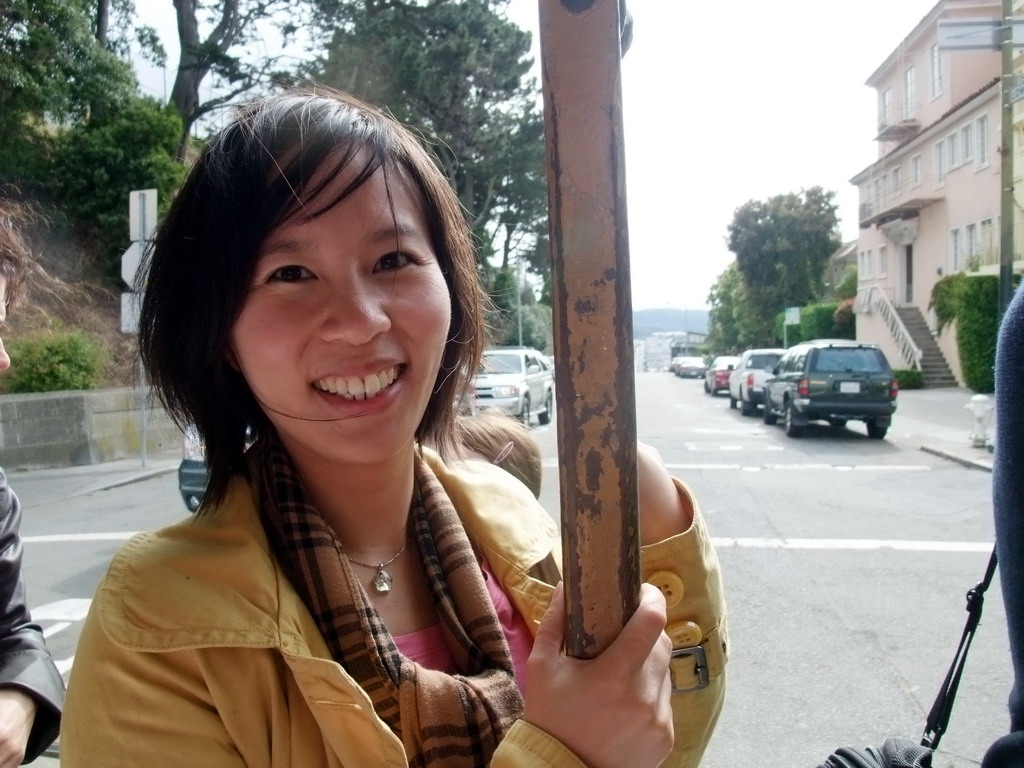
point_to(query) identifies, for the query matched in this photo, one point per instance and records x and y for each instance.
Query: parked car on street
(690, 367)
(746, 381)
(192, 474)
(518, 380)
(716, 377)
(831, 380)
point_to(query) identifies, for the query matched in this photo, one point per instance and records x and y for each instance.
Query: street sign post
(130, 261)
(791, 317)
(141, 214)
(141, 226)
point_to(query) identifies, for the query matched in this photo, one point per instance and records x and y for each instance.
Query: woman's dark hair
(15, 252)
(265, 167)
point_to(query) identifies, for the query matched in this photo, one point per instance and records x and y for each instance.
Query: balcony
(871, 215)
(898, 124)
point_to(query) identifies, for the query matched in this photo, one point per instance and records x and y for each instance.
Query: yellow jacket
(197, 650)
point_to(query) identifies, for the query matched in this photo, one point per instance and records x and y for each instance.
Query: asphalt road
(845, 559)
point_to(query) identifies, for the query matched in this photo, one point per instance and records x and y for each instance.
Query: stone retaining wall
(60, 429)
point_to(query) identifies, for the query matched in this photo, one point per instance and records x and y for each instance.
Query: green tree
(53, 72)
(459, 72)
(782, 246)
(726, 299)
(508, 313)
(231, 25)
(98, 163)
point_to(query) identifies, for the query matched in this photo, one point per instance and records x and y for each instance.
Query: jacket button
(671, 586)
(684, 634)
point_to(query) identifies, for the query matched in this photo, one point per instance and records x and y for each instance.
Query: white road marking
(853, 544)
(803, 467)
(72, 609)
(59, 537)
(553, 464)
(64, 665)
(53, 630)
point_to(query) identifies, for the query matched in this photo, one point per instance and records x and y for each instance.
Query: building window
(954, 250)
(909, 94)
(885, 108)
(879, 196)
(915, 171)
(936, 71)
(972, 241)
(940, 164)
(953, 151)
(982, 156)
(897, 181)
(865, 264)
(967, 143)
(883, 260)
(987, 243)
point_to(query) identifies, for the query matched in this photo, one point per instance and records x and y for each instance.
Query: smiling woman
(347, 595)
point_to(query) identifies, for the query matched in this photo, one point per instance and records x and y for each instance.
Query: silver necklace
(382, 581)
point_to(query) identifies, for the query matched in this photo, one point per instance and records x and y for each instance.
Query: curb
(137, 478)
(972, 463)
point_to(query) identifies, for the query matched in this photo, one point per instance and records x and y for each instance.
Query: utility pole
(1007, 212)
(519, 297)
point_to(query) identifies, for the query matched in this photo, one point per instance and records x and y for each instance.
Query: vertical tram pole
(581, 53)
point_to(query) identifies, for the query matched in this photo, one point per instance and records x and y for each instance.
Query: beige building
(929, 206)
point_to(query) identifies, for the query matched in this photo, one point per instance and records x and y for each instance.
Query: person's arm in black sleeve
(1008, 506)
(25, 662)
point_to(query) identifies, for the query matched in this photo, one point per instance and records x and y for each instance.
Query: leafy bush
(945, 299)
(844, 320)
(818, 321)
(977, 326)
(909, 378)
(98, 163)
(847, 287)
(55, 362)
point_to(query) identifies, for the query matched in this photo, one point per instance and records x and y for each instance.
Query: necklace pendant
(382, 581)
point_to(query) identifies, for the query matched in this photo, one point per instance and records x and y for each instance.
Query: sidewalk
(59, 483)
(938, 422)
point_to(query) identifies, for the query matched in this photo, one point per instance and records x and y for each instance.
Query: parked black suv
(831, 380)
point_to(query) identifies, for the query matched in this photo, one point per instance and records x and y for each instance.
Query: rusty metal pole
(593, 321)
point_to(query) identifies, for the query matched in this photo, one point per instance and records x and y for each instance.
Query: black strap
(938, 718)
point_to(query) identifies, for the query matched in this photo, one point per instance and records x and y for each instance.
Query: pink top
(427, 646)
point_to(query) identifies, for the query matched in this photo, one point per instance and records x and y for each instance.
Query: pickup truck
(518, 380)
(746, 380)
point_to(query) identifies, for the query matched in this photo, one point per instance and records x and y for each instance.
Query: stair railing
(880, 303)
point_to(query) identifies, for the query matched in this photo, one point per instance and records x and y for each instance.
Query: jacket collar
(213, 581)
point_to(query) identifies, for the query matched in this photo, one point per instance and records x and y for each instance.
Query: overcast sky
(724, 103)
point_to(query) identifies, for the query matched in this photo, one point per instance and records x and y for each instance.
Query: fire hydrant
(981, 414)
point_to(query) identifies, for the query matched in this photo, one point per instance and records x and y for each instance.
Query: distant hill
(648, 321)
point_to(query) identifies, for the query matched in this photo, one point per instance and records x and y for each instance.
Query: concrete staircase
(934, 369)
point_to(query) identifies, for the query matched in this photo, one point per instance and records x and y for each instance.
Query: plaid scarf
(446, 720)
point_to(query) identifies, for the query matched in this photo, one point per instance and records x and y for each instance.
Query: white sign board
(976, 34)
(141, 214)
(1017, 91)
(130, 263)
(792, 316)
